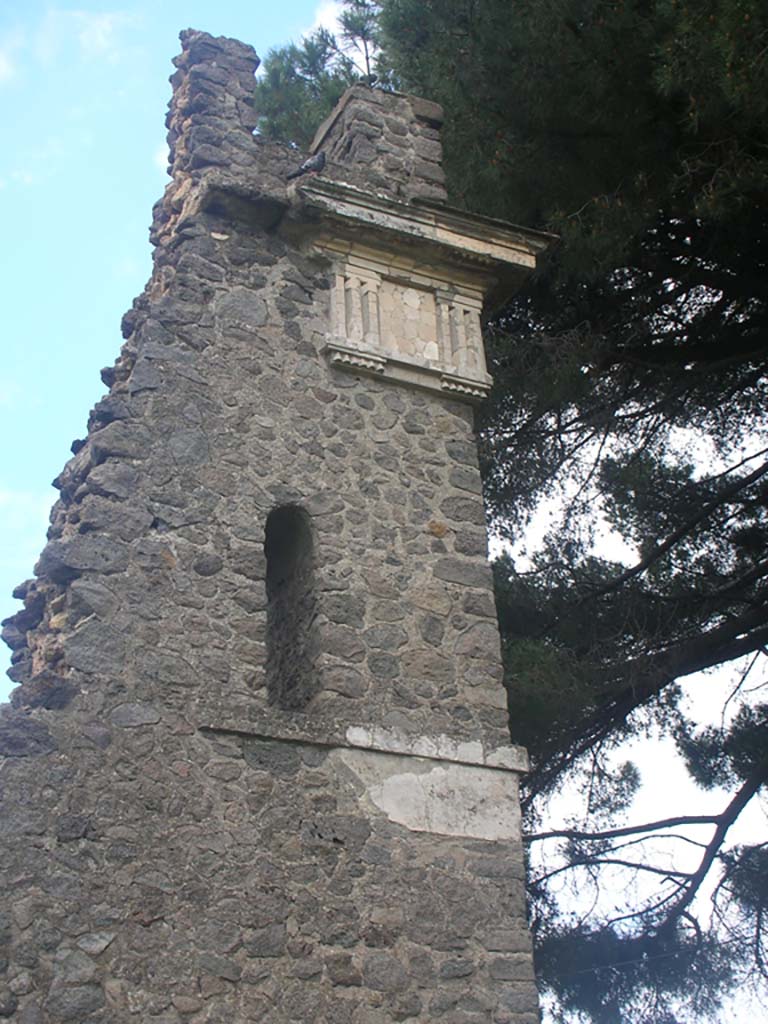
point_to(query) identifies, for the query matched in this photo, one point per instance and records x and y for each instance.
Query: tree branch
(628, 830)
(599, 862)
(725, 820)
(645, 678)
(683, 530)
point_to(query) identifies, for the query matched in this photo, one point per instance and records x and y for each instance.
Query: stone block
(21, 736)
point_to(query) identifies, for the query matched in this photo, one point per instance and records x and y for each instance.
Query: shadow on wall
(291, 608)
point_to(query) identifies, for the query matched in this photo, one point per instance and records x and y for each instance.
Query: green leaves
(359, 24)
(301, 83)
(725, 757)
(299, 87)
(613, 974)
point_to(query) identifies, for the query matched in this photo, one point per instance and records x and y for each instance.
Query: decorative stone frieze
(407, 325)
(409, 286)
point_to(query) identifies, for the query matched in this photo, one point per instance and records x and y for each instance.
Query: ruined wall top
(211, 117)
(394, 139)
(388, 142)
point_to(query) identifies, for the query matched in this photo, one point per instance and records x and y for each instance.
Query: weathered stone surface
(119, 439)
(21, 736)
(479, 641)
(388, 637)
(73, 967)
(74, 1003)
(114, 478)
(343, 642)
(8, 1002)
(471, 542)
(95, 647)
(208, 564)
(479, 603)
(220, 967)
(428, 664)
(178, 844)
(277, 758)
(62, 559)
(512, 968)
(95, 942)
(349, 682)
(267, 942)
(90, 596)
(457, 969)
(188, 446)
(242, 308)
(461, 451)
(106, 516)
(464, 572)
(132, 716)
(342, 971)
(432, 629)
(45, 690)
(68, 828)
(463, 510)
(383, 972)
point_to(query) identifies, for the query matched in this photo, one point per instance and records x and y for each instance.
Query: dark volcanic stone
(21, 736)
(74, 1003)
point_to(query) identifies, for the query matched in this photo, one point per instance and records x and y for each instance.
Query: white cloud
(97, 33)
(326, 16)
(24, 178)
(23, 516)
(50, 36)
(37, 164)
(94, 33)
(7, 67)
(9, 45)
(161, 156)
(127, 268)
(91, 34)
(10, 390)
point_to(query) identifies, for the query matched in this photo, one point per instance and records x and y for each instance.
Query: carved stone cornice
(353, 359)
(458, 236)
(410, 281)
(403, 371)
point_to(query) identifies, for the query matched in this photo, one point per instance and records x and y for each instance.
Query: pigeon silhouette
(312, 163)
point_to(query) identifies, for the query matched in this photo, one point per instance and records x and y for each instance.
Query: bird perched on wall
(312, 163)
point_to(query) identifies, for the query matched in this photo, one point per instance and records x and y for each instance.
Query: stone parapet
(390, 141)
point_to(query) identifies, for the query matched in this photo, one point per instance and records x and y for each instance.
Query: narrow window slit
(291, 632)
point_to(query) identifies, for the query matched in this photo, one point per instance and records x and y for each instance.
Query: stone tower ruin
(258, 766)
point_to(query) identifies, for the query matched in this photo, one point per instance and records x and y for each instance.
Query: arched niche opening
(291, 600)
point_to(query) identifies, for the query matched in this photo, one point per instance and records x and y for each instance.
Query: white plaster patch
(446, 799)
(439, 747)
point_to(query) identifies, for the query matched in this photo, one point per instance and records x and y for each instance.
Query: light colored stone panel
(440, 747)
(439, 798)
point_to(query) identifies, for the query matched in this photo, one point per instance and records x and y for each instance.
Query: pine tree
(300, 84)
(632, 389)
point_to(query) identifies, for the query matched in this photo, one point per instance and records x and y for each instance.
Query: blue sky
(83, 94)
